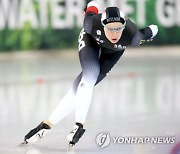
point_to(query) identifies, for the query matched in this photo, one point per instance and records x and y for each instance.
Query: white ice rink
(139, 99)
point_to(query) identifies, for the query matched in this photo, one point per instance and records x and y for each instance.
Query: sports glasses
(118, 29)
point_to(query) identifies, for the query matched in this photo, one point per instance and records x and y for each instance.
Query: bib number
(80, 40)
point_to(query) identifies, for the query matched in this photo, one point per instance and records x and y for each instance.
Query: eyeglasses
(118, 29)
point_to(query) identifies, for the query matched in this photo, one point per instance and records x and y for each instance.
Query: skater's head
(114, 23)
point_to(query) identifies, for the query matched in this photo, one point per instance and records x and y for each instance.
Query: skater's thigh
(89, 57)
(108, 60)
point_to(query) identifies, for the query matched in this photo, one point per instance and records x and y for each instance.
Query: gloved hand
(92, 4)
(154, 29)
(149, 35)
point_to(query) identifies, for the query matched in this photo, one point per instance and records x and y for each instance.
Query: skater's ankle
(79, 124)
(47, 122)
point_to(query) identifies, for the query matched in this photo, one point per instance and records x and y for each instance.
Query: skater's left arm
(145, 34)
(90, 11)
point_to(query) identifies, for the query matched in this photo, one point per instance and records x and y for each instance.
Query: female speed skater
(102, 42)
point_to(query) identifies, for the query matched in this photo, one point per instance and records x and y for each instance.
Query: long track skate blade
(70, 147)
(22, 144)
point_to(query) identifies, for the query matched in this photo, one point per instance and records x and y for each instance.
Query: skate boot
(75, 134)
(36, 134)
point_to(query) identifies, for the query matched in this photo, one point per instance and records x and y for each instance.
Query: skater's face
(113, 31)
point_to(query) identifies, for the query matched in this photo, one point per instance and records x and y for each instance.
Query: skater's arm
(145, 34)
(91, 10)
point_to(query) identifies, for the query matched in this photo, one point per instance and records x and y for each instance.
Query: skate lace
(74, 130)
(40, 135)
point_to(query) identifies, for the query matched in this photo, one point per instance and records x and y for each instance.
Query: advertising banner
(47, 24)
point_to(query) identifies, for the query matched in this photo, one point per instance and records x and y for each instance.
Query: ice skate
(75, 134)
(36, 134)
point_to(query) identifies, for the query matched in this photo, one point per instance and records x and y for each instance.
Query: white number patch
(80, 40)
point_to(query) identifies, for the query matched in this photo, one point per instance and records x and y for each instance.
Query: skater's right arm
(91, 10)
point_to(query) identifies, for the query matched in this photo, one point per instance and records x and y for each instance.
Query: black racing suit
(97, 54)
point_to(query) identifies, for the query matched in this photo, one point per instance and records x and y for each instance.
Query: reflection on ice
(122, 95)
(138, 98)
(33, 151)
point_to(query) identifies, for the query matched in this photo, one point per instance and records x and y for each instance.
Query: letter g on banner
(103, 139)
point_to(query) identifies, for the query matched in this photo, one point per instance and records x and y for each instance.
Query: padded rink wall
(145, 80)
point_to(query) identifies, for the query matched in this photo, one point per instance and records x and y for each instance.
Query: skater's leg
(66, 105)
(107, 62)
(89, 58)
(85, 88)
(95, 69)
